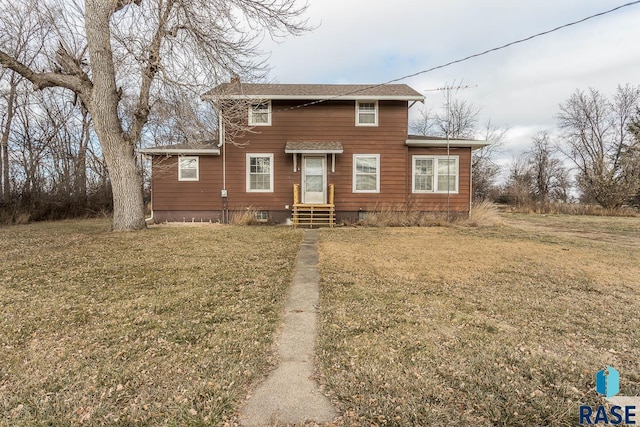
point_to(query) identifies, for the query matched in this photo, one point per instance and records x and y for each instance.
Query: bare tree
(461, 122)
(109, 51)
(520, 184)
(484, 166)
(549, 176)
(597, 138)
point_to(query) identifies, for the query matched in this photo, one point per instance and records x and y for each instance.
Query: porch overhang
(313, 147)
(439, 142)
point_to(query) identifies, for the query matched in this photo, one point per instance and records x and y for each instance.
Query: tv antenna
(448, 89)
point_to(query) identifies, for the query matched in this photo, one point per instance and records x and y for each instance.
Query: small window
(366, 173)
(260, 173)
(435, 174)
(188, 168)
(366, 113)
(262, 216)
(260, 114)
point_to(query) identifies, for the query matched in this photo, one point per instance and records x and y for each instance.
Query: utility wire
(475, 55)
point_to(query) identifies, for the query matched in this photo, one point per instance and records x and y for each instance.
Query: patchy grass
(579, 225)
(167, 326)
(475, 326)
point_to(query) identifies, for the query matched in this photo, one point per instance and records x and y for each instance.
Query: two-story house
(311, 153)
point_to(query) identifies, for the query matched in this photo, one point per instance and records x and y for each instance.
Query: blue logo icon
(608, 382)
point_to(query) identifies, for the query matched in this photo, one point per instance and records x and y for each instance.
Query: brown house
(311, 153)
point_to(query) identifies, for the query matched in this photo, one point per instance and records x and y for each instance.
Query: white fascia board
(181, 151)
(442, 143)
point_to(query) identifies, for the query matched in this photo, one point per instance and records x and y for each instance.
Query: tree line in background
(593, 157)
(52, 167)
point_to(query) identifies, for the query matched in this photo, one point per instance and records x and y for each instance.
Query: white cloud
(374, 41)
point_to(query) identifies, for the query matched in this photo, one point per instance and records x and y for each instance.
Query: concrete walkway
(289, 395)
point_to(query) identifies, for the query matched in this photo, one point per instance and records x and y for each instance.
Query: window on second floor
(260, 114)
(366, 113)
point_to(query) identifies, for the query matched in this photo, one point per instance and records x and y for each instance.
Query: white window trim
(268, 122)
(248, 172)
(197, 159)
(377, 157)
(435, 174)
(376, 113)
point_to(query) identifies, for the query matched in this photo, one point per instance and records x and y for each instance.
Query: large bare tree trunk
(4, 143)
(126, 180)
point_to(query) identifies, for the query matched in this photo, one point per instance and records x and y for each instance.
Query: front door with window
(314, 176)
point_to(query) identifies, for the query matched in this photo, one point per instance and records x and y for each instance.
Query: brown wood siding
(328, 121)
(439, 202)
(169, 194)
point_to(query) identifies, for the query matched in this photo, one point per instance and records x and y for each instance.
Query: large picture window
(188, 168)
(260, 114)
(366, 173)
(260, 173)
(435, 174)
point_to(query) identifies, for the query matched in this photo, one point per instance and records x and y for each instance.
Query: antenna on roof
(447, 89)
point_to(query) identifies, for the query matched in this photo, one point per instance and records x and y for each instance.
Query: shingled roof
(397, 92)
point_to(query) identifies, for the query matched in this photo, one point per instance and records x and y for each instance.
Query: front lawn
(476, 326)
(172, 325)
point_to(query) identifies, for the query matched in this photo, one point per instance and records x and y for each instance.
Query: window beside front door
(260, 173)
(435, 174)
(366, 173)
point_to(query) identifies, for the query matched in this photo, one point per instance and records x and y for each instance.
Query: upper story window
(188, 168)
(260, 114)
(366, 113)
(435, 174)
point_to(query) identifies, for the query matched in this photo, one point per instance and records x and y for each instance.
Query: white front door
(314, 177)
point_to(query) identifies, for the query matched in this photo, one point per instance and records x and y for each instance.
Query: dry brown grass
(483, 214)
(474, 326)
(574, 209)
(167, 326)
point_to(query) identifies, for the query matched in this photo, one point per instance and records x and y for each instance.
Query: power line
(544, 33)
(475, 55)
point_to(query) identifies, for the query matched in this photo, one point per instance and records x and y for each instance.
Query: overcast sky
(374, 41)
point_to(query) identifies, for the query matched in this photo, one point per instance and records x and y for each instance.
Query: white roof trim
(319, 98)
(181, 151)
(442, 143)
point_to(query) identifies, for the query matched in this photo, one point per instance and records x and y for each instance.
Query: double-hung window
(260, 173)
(366, 113)
(260, 114)
(366, 173)
(188, 168)
(435, 174)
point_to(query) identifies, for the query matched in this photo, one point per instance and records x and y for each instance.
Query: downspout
(221, 143)
(470, 181)
(151, 191)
